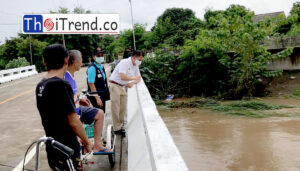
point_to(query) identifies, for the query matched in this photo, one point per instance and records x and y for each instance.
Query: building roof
(259, 17)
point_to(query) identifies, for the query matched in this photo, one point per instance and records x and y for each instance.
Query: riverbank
(257, 107)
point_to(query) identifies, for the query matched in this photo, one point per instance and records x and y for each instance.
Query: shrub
(16, 63)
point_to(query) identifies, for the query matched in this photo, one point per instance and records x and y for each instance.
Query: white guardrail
(17, 73)
(150, 145)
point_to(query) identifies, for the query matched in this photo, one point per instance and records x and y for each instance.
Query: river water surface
(214, 141)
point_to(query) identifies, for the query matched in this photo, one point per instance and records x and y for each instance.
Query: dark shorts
(87, 114)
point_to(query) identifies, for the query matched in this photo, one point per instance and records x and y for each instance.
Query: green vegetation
(255, 105)
(197, 103)
(224, 58)
(16, 63)
(255, 109)
(16, 47)
(175, 26)
(295, 94)
(221, 56)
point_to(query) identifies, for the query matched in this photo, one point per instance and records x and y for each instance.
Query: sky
(144, 11)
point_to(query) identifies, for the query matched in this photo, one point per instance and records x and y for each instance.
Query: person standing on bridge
(87, 114)
(54, 97)
(126, 74)
(97, 81)
(126, 53)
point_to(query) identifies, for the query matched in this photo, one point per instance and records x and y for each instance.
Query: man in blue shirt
(87, 114)
(97, 81)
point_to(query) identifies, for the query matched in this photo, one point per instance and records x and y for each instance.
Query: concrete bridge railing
(17, 73)
(150, 145)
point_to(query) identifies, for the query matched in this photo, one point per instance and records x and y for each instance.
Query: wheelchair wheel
(111, 159)
(110, 143)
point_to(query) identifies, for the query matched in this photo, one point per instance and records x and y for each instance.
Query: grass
(295, 94)
(246, 105)
(257, 109)
(249, 108)
(194, 103)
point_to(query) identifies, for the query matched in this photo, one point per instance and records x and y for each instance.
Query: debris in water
(170, 97)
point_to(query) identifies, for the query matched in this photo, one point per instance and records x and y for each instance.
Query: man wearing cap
(126, 74)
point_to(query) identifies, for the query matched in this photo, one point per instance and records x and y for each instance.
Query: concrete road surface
(20, 122)
(20, 125)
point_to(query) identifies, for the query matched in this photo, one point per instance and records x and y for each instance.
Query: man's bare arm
(75, 97)
(132, 83)
(92, 87)
(78, 128)
(128, 78)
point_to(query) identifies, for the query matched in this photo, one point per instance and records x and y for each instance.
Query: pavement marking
(14, 97)
(28, 158)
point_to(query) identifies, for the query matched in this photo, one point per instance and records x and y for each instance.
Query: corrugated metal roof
(259, 17)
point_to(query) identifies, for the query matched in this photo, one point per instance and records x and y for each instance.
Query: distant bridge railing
(17, 73)
(150, 145)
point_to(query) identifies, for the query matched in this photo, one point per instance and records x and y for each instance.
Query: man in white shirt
(127, 74)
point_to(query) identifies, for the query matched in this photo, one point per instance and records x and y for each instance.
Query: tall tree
(296, 10)
(126, 37)
(37, 48)
(9, 50)
(232, 47)
(175, 26)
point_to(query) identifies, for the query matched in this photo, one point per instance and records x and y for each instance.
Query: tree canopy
(221, 56)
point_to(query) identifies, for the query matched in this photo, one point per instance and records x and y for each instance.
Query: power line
(9, 24)
(6, 13)
(3, 29)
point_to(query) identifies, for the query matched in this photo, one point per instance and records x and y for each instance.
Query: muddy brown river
(212, 141)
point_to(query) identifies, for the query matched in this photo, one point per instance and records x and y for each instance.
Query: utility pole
(132, 26)
(64, 43)
(30, 49)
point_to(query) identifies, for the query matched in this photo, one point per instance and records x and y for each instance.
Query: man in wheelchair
(88, 115)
